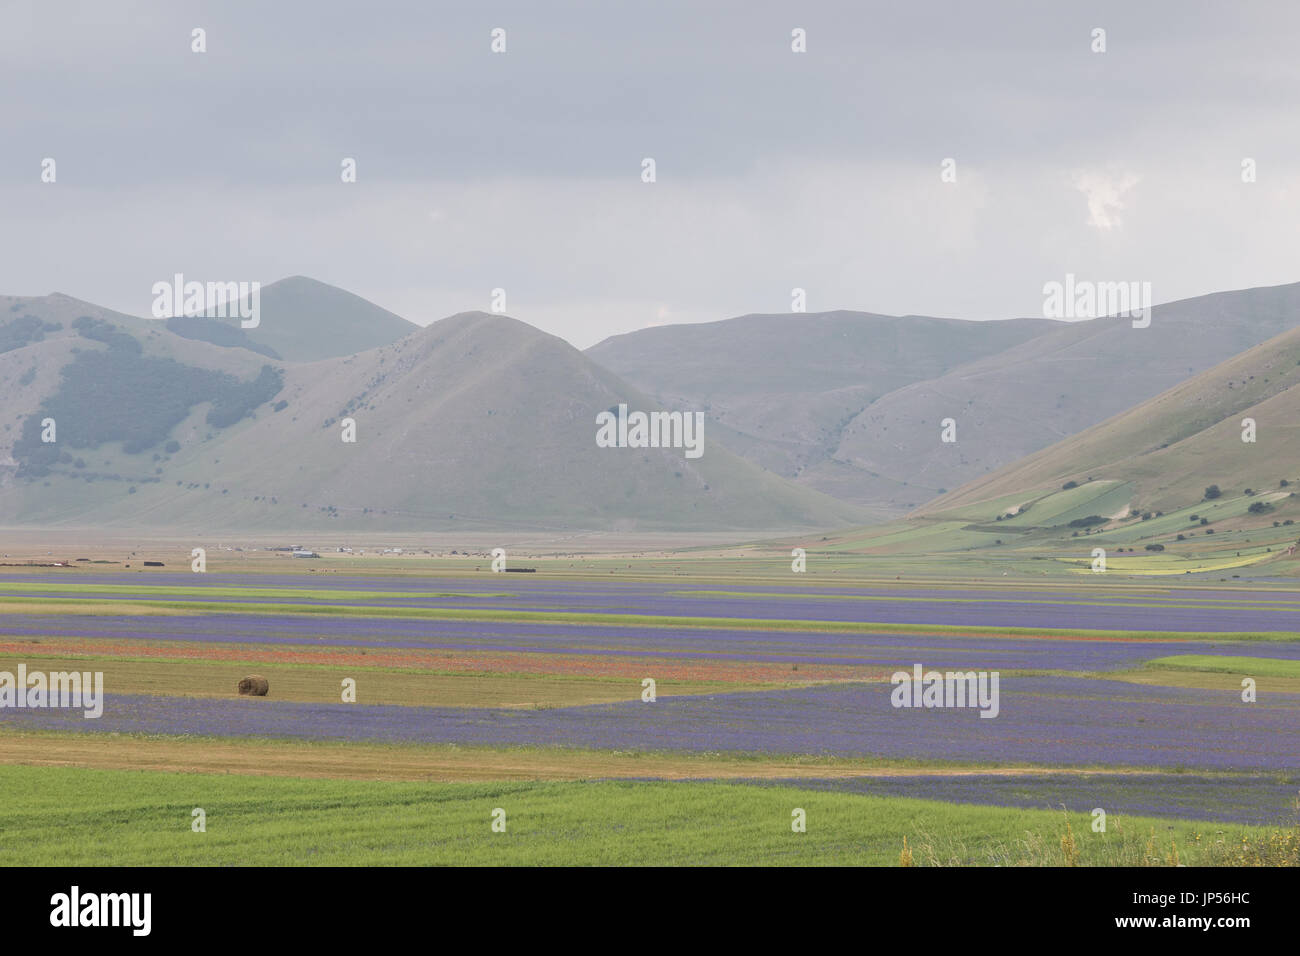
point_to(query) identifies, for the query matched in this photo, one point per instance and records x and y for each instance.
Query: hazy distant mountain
(481, 420)
(1170, 448)
(304, 321)
(852, 404)
(786, 386)
(301, 320)
(477, 421)
(61, 309)
(1030, 396)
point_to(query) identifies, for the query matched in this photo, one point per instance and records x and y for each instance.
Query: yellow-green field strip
(48, 606)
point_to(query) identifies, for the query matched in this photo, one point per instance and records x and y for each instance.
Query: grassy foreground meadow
(143, 818)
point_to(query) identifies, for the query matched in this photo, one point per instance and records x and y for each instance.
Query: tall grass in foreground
(1120, 845)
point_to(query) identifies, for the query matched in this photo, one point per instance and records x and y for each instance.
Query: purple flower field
(1258, 799)
(1088, 608)
(1050, 721)
(886, 651)
(1238, 756)
(537, 591)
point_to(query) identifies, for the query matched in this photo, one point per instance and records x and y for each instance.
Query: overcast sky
(775, 169)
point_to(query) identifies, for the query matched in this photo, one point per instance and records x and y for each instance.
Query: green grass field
(78, 817)
(1219, 672)
(1061, 507)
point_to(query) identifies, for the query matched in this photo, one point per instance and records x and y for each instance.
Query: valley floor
(709, 708)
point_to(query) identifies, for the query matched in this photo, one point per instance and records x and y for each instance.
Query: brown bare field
(125, 608)
(1208, 680)
(295, 682)
(437, 763)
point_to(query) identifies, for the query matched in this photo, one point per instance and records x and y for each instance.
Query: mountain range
(812, 420)
(852, 403)
(477, 420)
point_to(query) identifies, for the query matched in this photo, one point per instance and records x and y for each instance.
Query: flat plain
(707, 705)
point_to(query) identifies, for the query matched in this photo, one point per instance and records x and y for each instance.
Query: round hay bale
(254, 686)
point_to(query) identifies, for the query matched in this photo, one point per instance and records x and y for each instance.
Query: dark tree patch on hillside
(24, 330)
(1087, 522)
(235, 399)
(100, 331)
(121, 395)
(217, 333)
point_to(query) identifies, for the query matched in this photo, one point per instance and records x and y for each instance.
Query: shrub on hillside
(21, 331)
(100, 331)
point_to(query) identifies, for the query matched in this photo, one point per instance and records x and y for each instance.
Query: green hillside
(1166, 489)
(1169, 449)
